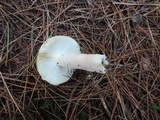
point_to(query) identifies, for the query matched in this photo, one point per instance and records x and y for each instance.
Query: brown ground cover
(128, 32)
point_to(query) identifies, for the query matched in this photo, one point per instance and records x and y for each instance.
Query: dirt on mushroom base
(127, 92)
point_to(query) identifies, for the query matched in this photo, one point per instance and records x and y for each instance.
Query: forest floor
(128, 33)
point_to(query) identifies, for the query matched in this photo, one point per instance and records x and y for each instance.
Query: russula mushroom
(59, 56)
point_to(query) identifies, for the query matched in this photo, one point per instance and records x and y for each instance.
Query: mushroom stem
(89, 62)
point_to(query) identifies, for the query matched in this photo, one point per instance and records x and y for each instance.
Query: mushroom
(60, 56)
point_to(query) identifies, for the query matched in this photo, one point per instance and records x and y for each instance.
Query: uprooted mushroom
(60, 56)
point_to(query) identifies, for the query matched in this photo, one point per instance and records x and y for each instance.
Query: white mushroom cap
(50, 50)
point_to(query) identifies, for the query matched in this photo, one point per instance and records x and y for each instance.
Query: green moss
(82, 116)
